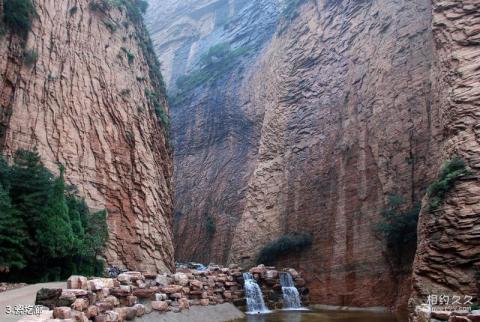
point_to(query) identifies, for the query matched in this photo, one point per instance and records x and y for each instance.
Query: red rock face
(347, 121)
(83, 104)
(448, 254)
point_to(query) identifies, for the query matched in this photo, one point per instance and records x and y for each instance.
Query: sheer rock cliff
(81, 102)
(340, 104)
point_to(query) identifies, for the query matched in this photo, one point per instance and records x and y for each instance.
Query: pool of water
(319, 316)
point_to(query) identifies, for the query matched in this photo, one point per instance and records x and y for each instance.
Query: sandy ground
(22, 296)
(212, 313)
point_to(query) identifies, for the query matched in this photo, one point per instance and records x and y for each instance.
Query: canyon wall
(448, 254)
(347, 121)
(75, 88)
(214, 138)
(340, 105)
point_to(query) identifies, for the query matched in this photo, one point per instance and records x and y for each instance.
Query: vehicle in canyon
(296, 160)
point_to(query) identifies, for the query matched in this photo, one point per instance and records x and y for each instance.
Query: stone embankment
(134, 294)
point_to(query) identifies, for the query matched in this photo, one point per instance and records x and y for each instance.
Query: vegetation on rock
(217, 61)
(30, 57)
(46, 231)
(18, 15)
(450, 172)
(286, 244)
(211, 226)
(398, 226)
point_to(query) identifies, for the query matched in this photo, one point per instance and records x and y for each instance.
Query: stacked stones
(133, 294)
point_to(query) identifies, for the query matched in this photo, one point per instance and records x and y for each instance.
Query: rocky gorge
(325, 110)
(338, 138)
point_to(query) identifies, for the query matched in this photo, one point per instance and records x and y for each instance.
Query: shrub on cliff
(286, 244)
(51, 232)
(450, 172)
(219, 60)
(398, 226)
(210, 226)
(18, 15)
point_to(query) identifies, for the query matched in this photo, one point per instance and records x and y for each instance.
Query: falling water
(253, 293)
(291, 298)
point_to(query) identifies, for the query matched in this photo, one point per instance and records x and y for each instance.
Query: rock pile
(133, 294)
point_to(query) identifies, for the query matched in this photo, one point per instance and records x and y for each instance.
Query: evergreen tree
(12, 234)
(56, 235)
(46, 231)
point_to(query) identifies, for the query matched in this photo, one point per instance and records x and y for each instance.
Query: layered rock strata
(81, 100)
(448, 254)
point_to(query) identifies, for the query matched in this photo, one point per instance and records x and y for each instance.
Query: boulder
(176, 295)
(112, 300)
(134, 276)
(112, 316)
(79, 316)
(126, 313)
(163, 280)
(120, 292)
(77, 282)
(271, 274)
(96, 284)
(204, 302)
(48, 297)
(183, 304)
(104, 306)
(62, 312)
(66, 299)
(172, 289)
(181, 279)
(108, 282)
(195, 284)
(160, 306)
(441, 315)
(300, 282)
(160, 297)
(92, 311)
(139, 310)
(79, 304)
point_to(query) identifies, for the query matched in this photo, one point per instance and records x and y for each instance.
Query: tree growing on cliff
(18, 15)
(55, 233)
(46, 231)
(451, 171)
(12, 234)
(398, 228)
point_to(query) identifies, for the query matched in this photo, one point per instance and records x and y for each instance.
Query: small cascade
(291, 297)
(254, 296)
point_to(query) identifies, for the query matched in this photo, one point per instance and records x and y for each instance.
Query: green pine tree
(12, 234)
(56, 236)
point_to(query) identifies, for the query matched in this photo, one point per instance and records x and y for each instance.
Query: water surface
(320, 316)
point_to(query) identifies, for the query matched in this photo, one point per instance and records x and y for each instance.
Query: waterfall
(254, 296)
(291, 298)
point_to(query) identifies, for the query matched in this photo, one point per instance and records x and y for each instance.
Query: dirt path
(22, 296)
